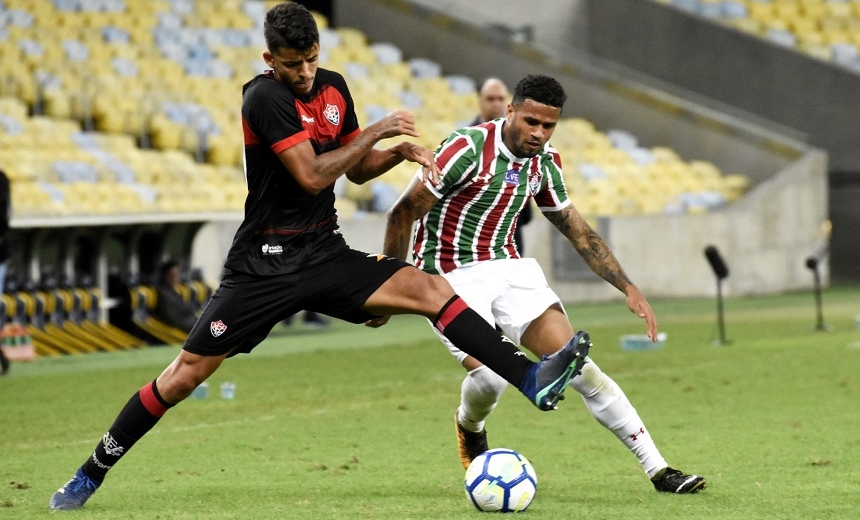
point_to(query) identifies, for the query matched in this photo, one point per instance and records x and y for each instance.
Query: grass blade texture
(353, 422)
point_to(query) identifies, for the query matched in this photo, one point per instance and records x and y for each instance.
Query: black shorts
(245, 307)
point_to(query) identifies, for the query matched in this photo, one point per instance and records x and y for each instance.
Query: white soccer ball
(501, 480)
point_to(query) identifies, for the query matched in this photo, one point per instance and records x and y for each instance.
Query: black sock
(139, 415)
(468, 331)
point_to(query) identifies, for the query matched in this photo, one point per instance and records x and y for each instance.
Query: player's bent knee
(488, 382)
(433, 284)
(441, 288)
(432, 290)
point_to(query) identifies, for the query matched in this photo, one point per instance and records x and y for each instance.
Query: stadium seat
(106, 106)
(149, 89)
(812, 27)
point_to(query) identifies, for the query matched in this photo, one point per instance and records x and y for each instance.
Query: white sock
(608, 404)
(479, 394)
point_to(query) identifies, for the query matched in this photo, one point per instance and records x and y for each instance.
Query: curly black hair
(290, 25)
(543, 89)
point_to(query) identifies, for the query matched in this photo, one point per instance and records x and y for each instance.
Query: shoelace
(82, 484)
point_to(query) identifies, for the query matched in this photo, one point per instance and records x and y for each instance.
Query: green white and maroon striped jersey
(483, 189)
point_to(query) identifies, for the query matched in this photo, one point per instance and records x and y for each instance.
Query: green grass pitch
(358, 423)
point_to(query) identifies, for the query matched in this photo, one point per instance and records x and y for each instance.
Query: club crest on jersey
(332, 114)
(512, 177)
(534, 182)
(217, 328)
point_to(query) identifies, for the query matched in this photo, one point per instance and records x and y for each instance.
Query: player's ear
(269, 59)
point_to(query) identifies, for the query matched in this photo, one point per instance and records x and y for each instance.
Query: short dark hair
(290, 25)
(165, 268)
(543, 89)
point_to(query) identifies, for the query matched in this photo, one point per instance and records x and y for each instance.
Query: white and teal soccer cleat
(546, 381)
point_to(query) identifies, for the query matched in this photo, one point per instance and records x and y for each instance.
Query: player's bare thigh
(548, 333)
(410, 291)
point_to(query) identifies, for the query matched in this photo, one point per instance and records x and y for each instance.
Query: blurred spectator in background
(493, 98)
(170, 307)
(5, 215)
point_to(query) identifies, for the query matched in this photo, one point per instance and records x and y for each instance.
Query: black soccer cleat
(673, 481)
(470, 444)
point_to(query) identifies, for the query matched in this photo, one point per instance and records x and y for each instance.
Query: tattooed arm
(597, 254)
(412, 205)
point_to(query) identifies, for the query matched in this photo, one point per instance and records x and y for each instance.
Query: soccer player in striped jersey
(466, 222)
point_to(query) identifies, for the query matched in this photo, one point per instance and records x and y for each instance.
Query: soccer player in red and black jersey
(301, 134)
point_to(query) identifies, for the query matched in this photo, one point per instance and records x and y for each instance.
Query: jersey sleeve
(456, 159)
(553, 194)
(350, 122)
(270, 113)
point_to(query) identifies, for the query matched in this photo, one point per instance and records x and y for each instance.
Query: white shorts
(509, 293)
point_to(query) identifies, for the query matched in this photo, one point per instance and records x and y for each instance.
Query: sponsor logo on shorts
(217, 328)
(276, 249)
(378, 257)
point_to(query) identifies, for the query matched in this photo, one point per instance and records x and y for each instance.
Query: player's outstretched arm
(316, 172)
(376, 162)
(599, 257)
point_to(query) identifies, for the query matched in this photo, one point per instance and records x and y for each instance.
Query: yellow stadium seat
(813, 10)
(350, 37)
(811, 37)
(321, 19)
(748, 25)
(803, 24)
(761, 11)
(786, 10)
(840, 9)
(822, 52)
(837, 36)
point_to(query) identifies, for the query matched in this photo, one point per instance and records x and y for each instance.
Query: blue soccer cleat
(74, 494)
(546, 381)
